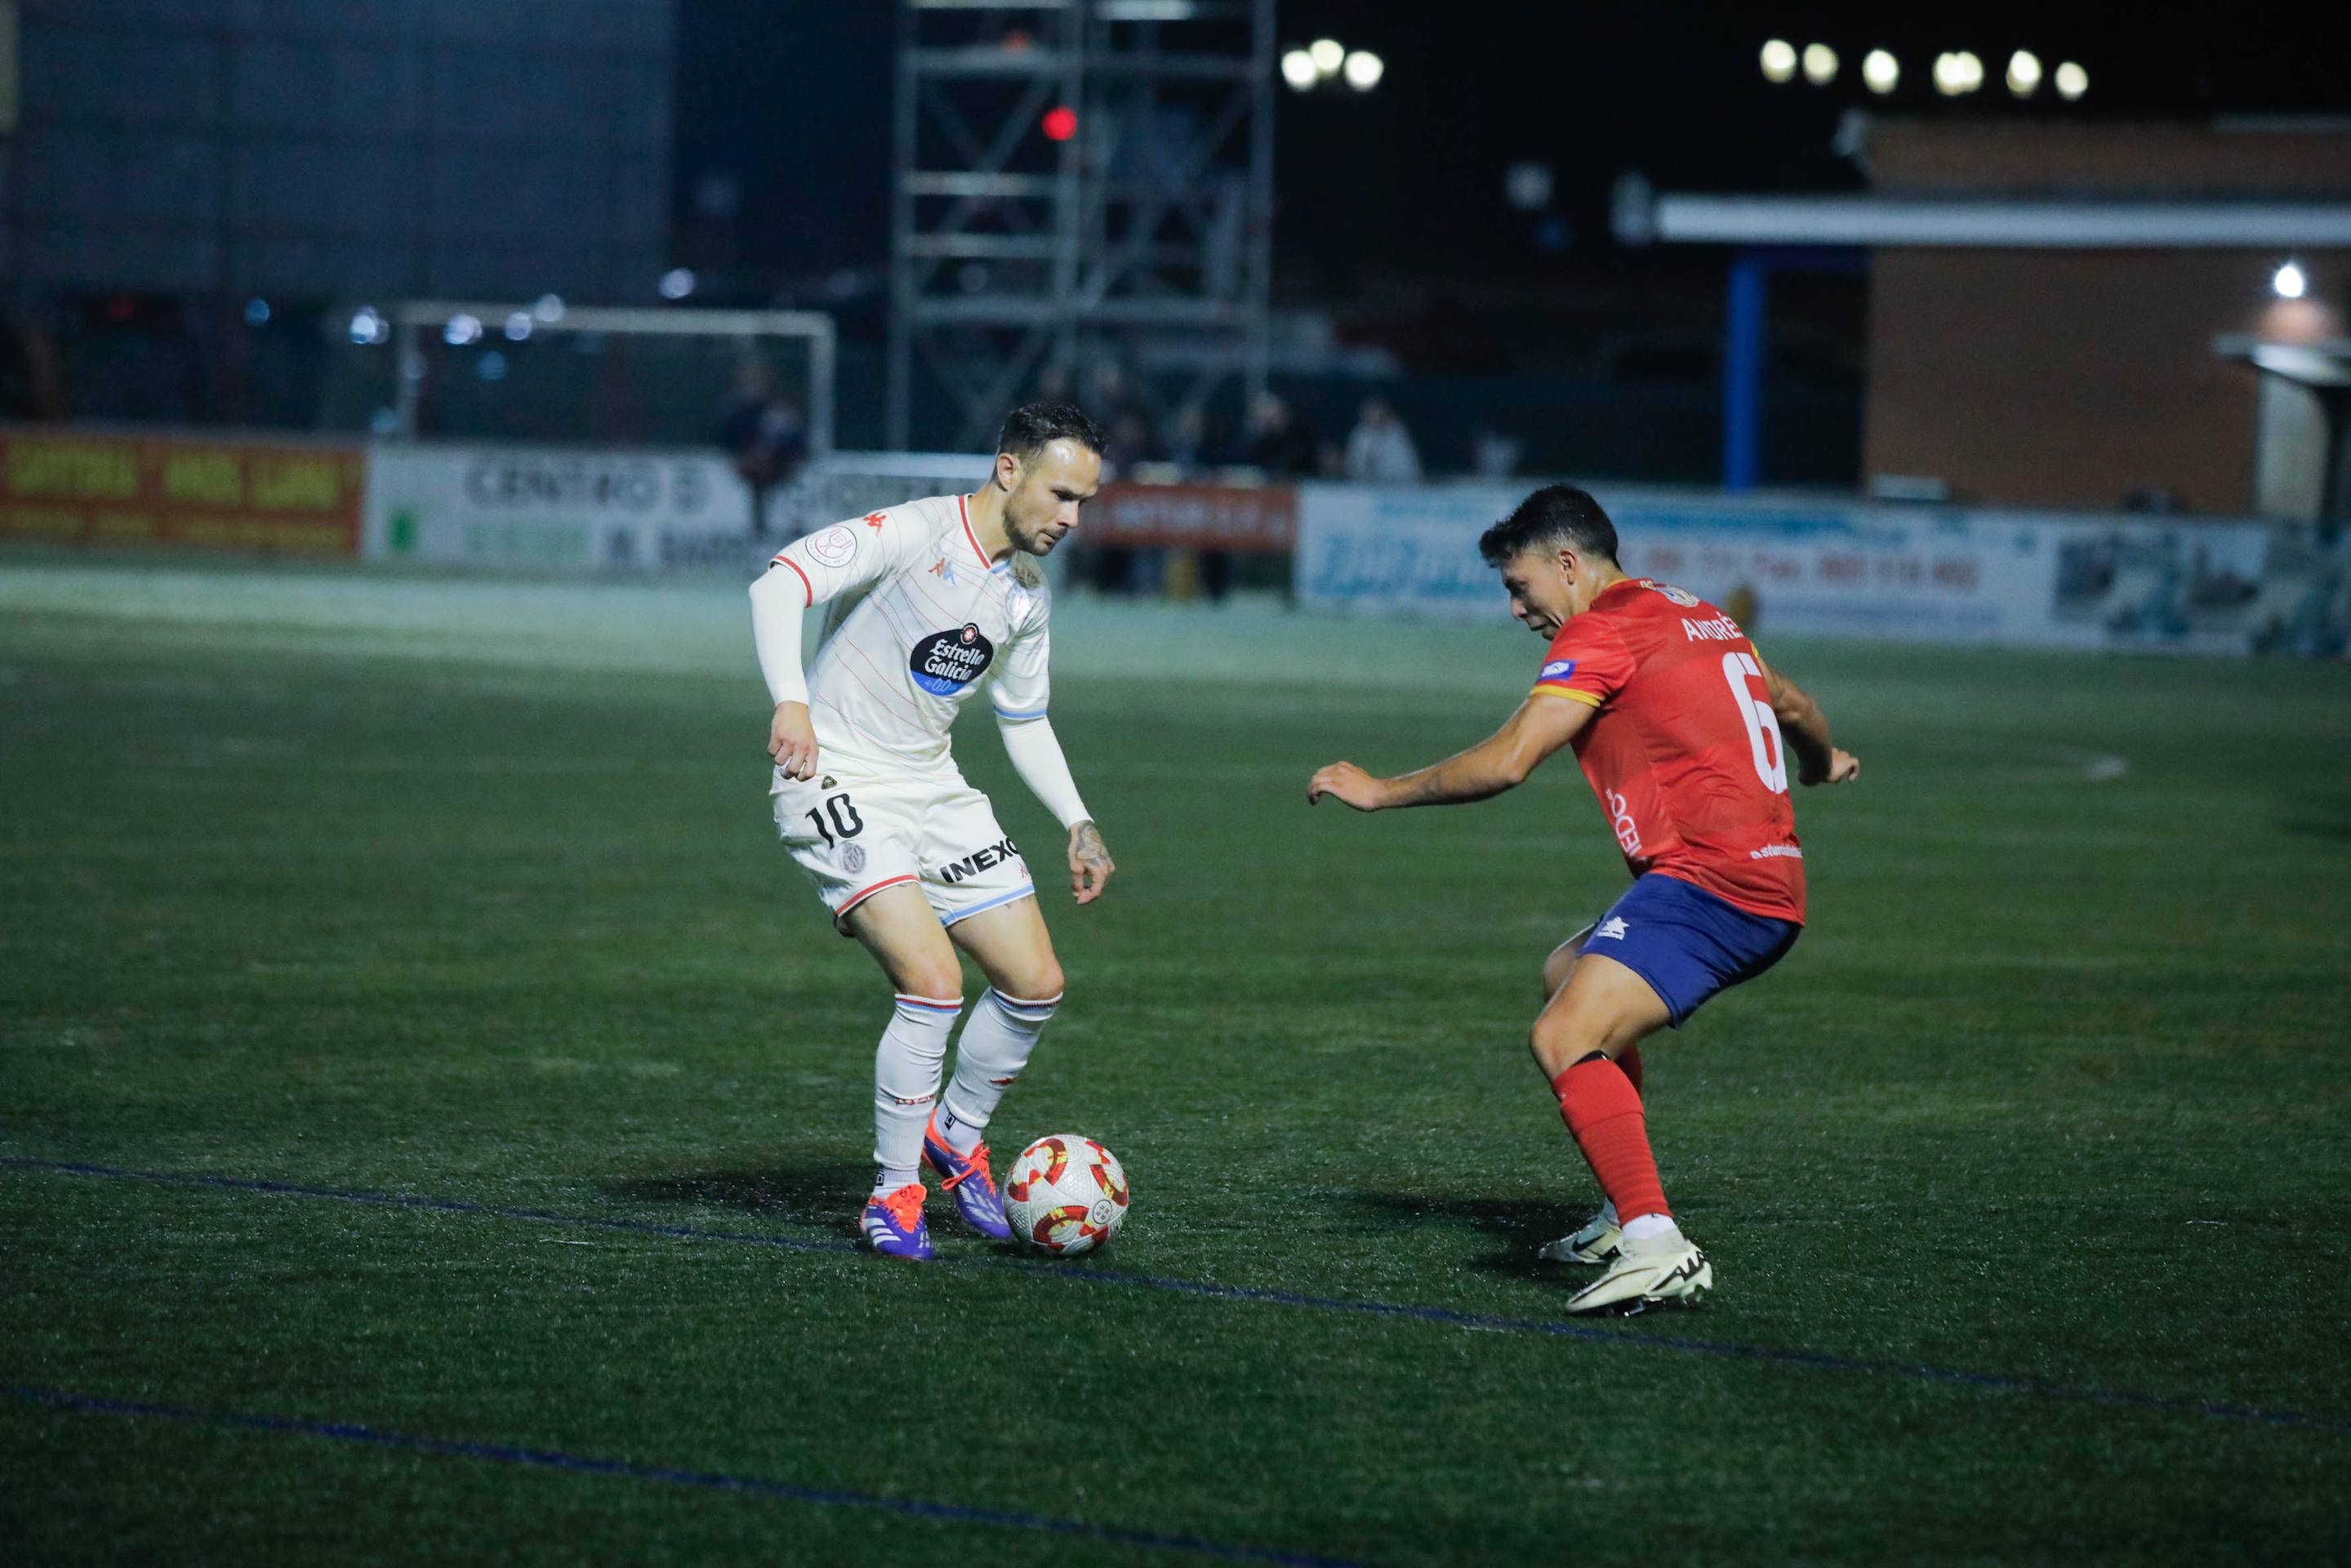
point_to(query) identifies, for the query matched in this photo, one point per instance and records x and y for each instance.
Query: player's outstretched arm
(778, 603)
(1805, 728)
(1036, 755)
(1542, 725)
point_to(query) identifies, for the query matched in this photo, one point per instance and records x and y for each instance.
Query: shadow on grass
(1518, 1225)
(825, 1193)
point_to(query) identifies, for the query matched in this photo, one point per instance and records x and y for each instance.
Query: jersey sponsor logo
(1558, 670)
(835, 546)
(853, 859)
(946, 662)
(1776, 851)
(1681, 596)
(1721, 629)
(972, 864)
(1620, 818)
(1611, 929)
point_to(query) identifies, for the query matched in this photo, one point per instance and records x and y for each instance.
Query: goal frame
(410, 319)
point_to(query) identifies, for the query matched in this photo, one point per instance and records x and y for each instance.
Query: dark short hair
(1554, 515)
(1028, 429)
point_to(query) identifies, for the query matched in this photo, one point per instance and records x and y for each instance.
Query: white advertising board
(1940, 574)
(554, 509)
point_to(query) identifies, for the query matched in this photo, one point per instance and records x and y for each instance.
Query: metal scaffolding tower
(1140, 239)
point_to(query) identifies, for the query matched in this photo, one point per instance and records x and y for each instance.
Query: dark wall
(347, 149)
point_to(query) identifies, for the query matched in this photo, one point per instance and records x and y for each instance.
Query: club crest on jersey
(1681, 596)
(835, 546)
(946, 662)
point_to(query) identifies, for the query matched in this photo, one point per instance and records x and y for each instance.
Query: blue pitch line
(712, 1480)
(1816, 1361)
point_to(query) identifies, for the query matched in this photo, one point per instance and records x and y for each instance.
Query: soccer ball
(1065, 1193)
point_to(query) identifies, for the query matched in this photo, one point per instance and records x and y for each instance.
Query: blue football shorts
(1686, 942)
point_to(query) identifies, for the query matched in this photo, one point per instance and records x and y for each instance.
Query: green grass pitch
(2026, 1176)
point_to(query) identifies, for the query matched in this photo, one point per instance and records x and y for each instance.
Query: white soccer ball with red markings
(1065, 1193)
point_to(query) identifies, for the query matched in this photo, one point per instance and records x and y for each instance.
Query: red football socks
(1630, 1064)
(1603, 1110)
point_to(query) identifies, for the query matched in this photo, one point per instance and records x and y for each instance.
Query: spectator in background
(1494, 455)
(1380, 450)
(1281, 445)
(767, 436)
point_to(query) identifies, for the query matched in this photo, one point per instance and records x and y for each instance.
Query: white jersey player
(925, 604)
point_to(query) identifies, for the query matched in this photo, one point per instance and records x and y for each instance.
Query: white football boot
(1596, 1243)
(1646, 1274)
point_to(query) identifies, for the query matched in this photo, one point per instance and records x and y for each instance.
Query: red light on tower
(1061, 123)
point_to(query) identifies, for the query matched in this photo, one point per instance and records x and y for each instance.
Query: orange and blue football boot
(978, 1202)
(893, 1224)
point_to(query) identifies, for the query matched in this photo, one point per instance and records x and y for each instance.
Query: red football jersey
(1684, 753)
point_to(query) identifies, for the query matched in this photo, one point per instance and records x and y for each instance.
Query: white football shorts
(854, 837)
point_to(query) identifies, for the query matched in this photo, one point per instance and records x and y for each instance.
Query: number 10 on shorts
(846, 823)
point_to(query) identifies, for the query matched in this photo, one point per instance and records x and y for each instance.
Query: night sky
(791, 98)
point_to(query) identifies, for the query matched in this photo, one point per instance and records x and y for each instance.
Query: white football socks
(1649, 1226)
(996, 1043)
(906, 1085)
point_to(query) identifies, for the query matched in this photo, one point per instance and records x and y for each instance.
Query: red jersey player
(1684, 734)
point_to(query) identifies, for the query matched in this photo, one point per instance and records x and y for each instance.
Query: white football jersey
(916, 620)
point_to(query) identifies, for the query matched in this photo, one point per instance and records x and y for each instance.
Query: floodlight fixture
(1364, 69)
(1820, 64)
(2073, 81)
(1880, 71)
(1328, 55)
(678, 283)
(2290, 281)
(2024, 73)
(1297, 69)
(1779, 60)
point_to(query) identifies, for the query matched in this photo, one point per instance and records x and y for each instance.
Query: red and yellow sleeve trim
(1545, 688)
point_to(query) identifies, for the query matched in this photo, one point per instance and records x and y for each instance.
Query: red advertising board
(1194, 517)
(90, 488)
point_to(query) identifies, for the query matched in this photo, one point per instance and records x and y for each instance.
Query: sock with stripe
(906, 1085)
(995, 1047)
(1603, 1112)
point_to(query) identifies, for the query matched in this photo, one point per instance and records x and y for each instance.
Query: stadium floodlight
(368, 325)
(461, 329)
(549, 308)
(1958, 73)
(678, 283)
(2290, 281)
(1297, 69)
(1820, 64)
(1779, 60)
(1328, 55)
(2024, 73)
(1881, 71)
(518, 325)
(1364, 69)
(2073, 81)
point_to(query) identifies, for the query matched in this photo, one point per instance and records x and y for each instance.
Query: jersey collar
(963, 507)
